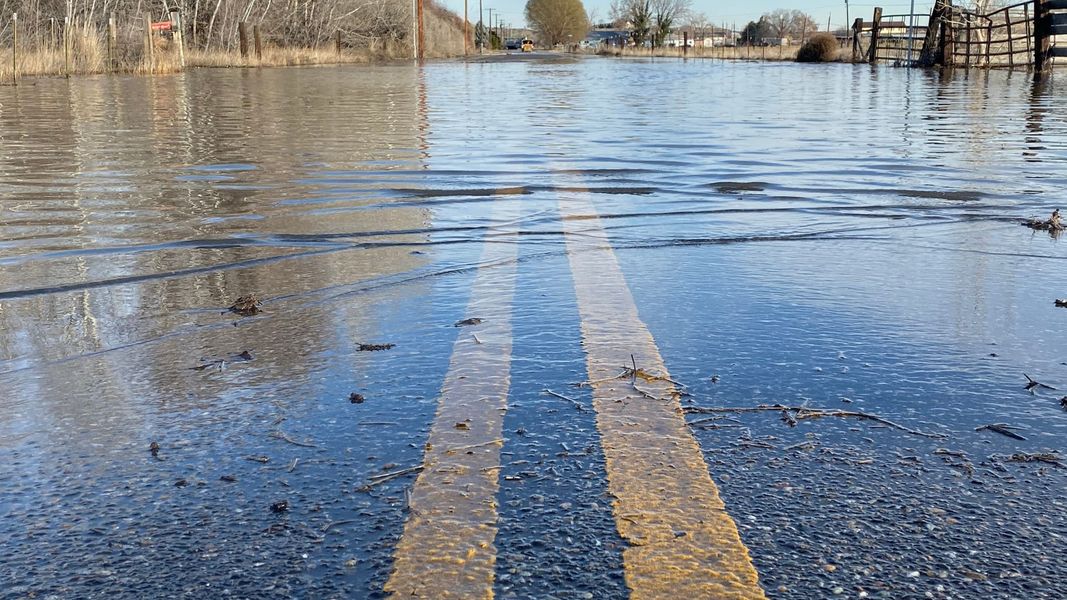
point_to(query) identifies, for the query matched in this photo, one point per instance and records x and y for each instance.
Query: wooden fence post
(967, 56)
(149, 43)
(112, 43)
(259, 42)
(988, 39)
(242, 34)
(66, 46)
(947, 56)
(685, 43)
(338, 42)
(1042, 33)
(14, 49)
(857, 29)
(1011, 40)
(422, 28)
(176, 27)
(933, 49)
(876, 24)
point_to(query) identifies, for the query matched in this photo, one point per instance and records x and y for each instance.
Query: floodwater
(831, 236)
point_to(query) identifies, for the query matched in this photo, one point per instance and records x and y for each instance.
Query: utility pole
(911, 31)
(480, 30)
(848, 24)
(422, 32)
(466, 32)
(489, 32)
(414, 30)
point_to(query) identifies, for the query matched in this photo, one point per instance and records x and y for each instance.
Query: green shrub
(822, 47)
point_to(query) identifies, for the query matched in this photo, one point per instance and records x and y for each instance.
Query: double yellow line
(682, 543)
(446, 550)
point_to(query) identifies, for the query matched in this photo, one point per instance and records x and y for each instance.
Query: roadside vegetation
(67, 37)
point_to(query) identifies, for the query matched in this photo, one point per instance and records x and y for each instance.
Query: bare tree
(700, 24)
(650, 20)
(666, 13)
(637, 15)
(789, 23)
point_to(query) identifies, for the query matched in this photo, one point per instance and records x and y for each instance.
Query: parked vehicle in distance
(513, 44)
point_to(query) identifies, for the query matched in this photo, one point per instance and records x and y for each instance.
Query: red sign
(161, 26)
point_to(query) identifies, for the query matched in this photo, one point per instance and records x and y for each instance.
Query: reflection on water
(873, 207)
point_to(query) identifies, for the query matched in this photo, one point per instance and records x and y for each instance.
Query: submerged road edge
(682, 542)
(447, 549)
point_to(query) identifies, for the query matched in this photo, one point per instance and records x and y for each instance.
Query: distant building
(707, 37)
(606, 37)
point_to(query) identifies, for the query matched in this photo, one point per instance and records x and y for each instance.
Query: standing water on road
(486, 296)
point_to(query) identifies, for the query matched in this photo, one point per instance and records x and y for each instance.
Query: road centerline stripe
(447, 547)
(682, 542)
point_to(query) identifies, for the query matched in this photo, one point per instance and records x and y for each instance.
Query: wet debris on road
(154, 449)
(375, 347)
(381, 478)
(634, 373)
(1054, 224)
(228, 478)
(220, 363)
(738, 187)
(285, 438)
(1032, 384)
(468, 322)
(794, 414)
(259, 459)
(1061, 303)
(355, 398)
(1051, 458)
(1003, 429)
(577, 405)
(1063, 402)
(280, 506)
(246, 306)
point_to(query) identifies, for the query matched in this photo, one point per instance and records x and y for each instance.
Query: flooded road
(575, 265)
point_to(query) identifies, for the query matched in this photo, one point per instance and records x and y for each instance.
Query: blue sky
(730, 11)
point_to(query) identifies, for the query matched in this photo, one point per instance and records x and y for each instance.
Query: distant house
(888, 27)
(707, 37)
(716, 37)
(606, 37)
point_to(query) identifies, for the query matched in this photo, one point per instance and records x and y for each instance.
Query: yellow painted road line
(682, 543)
(446, 550)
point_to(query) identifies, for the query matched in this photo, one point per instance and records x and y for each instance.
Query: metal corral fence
(1021, 35)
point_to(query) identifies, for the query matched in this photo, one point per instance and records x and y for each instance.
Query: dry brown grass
(275, 57)
(725, 53)
(88, 52)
